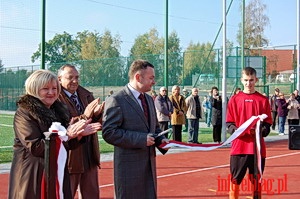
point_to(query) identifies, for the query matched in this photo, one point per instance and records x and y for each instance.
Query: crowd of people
(284, 109)
(131, 121)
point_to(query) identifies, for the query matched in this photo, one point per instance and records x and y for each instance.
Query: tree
(199, 58)
(103, 53)
(1, 66)
(147, 44)
(62, 48)
(229, 49)
(255, 23)
(151, 47)
(89, 45)
(175, 59)
(89, 51)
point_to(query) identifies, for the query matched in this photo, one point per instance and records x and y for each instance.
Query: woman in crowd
(282, 112)
(179, 111)
(216, 118)
(293, 107)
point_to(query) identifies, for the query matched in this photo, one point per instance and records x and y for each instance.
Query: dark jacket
(163, 107)
(86, 155)
(31, 120)
(216, 111)
(282, 107)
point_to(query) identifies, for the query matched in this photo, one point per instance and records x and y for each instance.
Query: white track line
(7, 125)
(208, 168)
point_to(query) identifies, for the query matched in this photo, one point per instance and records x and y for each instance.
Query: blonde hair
(38, 79)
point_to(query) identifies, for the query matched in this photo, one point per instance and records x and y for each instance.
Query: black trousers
(274, 118)
(177, 135)
(239, 165)
(217, 130)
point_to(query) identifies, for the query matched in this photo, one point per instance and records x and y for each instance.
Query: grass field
(7, 136)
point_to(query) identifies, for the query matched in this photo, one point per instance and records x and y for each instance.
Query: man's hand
(165, 141)
(99, 109)
(150, 140)
(89, 110)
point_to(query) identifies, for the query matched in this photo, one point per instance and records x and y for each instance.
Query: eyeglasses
(72, 78)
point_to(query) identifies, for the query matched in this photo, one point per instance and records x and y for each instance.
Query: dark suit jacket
(125, 127)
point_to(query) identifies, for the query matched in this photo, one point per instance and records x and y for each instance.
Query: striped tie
(74, 98)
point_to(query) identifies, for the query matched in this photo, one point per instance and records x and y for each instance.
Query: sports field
(7, 136)
(195, 175)
(186, 174)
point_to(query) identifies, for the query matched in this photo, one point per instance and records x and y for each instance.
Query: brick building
(279, 61)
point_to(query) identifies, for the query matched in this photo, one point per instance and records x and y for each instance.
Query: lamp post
(166, 46)
(43, 34)
(183, 54)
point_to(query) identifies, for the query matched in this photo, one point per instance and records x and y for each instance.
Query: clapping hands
(82, 128)
(94, 108)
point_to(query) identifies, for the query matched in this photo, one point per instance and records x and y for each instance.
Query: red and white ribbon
(254, 120)
(56, 127)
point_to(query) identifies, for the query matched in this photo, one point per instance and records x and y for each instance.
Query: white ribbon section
(258, 149)
(250, 122)
(56, 127)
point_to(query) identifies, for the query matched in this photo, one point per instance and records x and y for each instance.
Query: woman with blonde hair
(36, 112)
(179, 111)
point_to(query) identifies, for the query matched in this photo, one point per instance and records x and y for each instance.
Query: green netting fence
(187, 69)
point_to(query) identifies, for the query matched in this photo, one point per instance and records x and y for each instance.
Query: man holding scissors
(130, 124)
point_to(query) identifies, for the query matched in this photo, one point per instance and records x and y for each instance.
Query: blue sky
(193, 20)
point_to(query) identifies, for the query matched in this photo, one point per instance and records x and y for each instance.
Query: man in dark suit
(130, 124)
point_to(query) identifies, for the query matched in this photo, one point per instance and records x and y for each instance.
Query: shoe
(194, 142)
(197, 142)
(281, 134)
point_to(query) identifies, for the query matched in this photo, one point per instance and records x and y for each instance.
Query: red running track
(197, 174)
